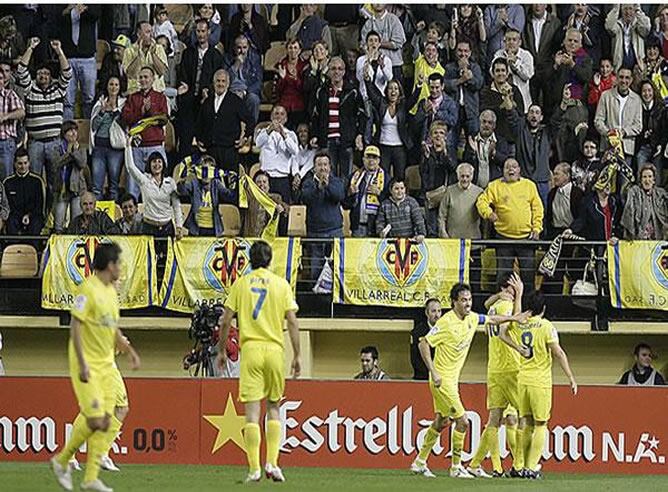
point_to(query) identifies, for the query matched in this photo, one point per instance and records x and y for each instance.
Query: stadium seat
(84, 132)
(254, 168)
(297, 221)
(19, 261)
(170, 138)
(231, 219)
(102, 48)
(413, 179)
(346, 223)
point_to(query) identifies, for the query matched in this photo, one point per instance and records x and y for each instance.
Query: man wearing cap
(112, 65)
(78, 33)
(367, 188)
(206, 189)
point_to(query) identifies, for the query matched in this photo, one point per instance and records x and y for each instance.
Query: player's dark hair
(430, 300)
(535, 302)
(504, 280)
(260, 255)
(125, 197)
(458, 289)
(106, 253)
(642, 346)
(370, 349)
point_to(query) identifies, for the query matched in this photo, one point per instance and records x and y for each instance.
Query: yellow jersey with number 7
(261, 300)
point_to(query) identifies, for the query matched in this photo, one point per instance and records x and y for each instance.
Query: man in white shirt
(520, 63)
(375, 64)
(278, 146)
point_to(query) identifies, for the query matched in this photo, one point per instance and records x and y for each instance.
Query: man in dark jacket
(218, 129)
(433, 312)
(323, 194)
(78, 34)
(492, 97)
(112, 64)
(487, 151)
(338, 119)
(437, 107)
(26, 194)
(91, 222)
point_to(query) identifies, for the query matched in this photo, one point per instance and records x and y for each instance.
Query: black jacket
(222, 128)
(87, 33)
(437, 170)
(352, 118)
(379, 104)
(187, 70)
(420, 371)
(576, 201)
(26, 195)
(590, 222)
(490, 99)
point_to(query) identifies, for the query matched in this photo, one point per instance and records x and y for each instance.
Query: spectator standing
(651, 115)
(603, 80)
(78, 32)
(44, 105)
(498, 19)
(435, 32)
(599, 217)
(107, 161)
(569, 122)
(302, 163)
(315, 74)
(563, 202)
(71, 176)
(642, 373)
(371, 370)
(628, 26)
(373, 66)
(290, 84)
(620, 109)
(12, 44)
(520, 63)
(323, 194)
(433, 312)
(585, 170)
(661, 29)
(426, 65)
(256, 217)
(487, 151)
(400, 215)
(162, 26)
(144, 103)
(343, 25)
(26, 195)
(458, 216)
(468, 25)
(437, 107)
(309, 28)
(253, 26)
(541, 37)
(650, 66)
(223, 124)
(112, 64)
(146, 52)
(391, 33)
(499, 96)
(368, 187)
(278, 146)
(12, 111)
(645, 215)
(211, 16)
(338, 119)
(588, 22)
(513, 205)
(130, 223)
(91, 222)
(162, 208)
(244, 67)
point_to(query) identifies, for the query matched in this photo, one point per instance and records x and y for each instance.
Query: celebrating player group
(519, 373)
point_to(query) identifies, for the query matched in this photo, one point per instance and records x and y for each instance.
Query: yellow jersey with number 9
(98, 310)
(536, 334)
(502, 358)
(261, 300)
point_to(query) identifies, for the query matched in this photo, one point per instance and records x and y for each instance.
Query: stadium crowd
(500, 121)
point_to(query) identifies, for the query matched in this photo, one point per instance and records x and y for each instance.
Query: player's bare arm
(75, 333)
(559, 354)
(225, 323)
(293, 331)
(518, 287)
(425, 353)
(505, 338)
(123, 346)
(497, 319)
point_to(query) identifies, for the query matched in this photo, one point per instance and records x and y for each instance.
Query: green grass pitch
(37, 477)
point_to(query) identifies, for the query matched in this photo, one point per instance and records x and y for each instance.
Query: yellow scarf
(249, 187)
(378, 179)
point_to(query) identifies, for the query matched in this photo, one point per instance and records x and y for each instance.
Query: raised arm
(131, 167)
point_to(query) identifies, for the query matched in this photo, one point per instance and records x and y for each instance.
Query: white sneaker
(274, 473)
(74, 464)
(253, 477)
(97, 485)
(419, 467)
(107, 464)
(458, 471)
(63, 474)
(478, 472)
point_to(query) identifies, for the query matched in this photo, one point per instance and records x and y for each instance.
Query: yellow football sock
(511, 439)
(457, 446)
(273, 441)
(527, 437)
(252, 440)
(483, 447)
(536, 450)
(112, 432)
(518, 450)
(494, 451)
(80, 434)
(96, 448)
(429, 440)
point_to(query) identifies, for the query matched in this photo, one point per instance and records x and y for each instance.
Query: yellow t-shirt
(98, 310)
(502, 358)
(451, 337)
(537, 334)
(422, 67)
(204, 215)
(261, 299)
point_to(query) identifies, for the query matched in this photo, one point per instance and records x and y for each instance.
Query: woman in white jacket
(107, 161)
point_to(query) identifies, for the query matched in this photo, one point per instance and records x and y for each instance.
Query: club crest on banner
(224, 262)
(80, 254)
(401, 262)
(660, 264)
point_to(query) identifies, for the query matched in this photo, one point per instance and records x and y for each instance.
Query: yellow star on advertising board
(229, 426)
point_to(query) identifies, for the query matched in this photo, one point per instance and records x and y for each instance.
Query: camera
(205, 332)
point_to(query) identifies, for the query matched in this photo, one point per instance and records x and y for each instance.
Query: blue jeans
(60, 207)
(40, 155)
(7, 151)
(107, 162)
(543, 191)
(84, 74)
(140, 155)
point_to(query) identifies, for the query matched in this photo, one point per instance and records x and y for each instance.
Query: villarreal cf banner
(638, 274)
(68, 261)
(398, 272)
(201, 270)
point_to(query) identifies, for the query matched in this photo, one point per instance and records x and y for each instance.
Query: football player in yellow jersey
(451, 338)
(539, 341)
(261, 302)
(503, 366)
(97, 383)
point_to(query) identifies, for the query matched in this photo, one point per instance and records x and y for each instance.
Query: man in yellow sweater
(513, 205)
